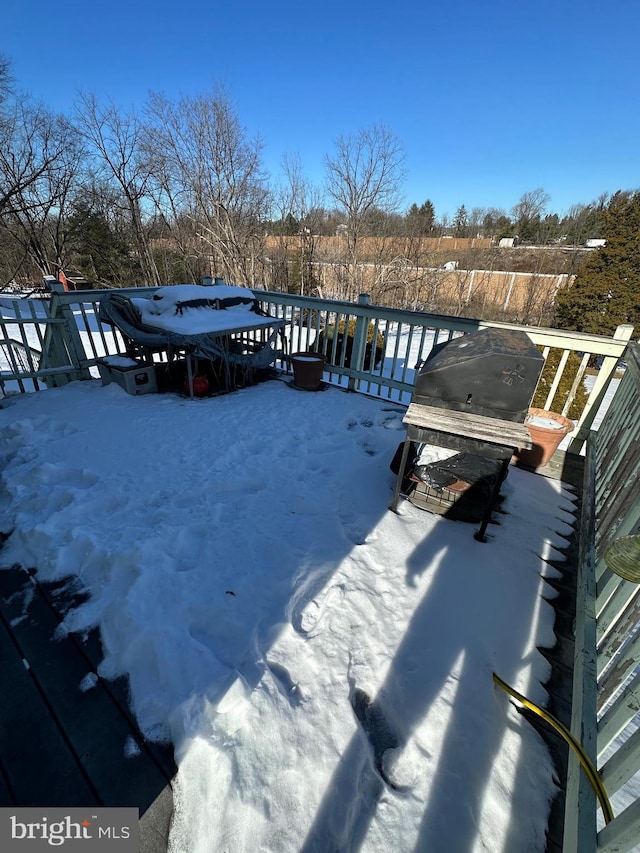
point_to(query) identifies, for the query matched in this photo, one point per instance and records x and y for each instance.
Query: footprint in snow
(356, 422)
(383, 740)
(356, 528)
(368, 448)
(310, 620)
(289, 688)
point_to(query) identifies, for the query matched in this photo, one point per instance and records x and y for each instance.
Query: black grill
(491, 372)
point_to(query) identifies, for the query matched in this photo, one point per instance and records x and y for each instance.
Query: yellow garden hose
(592, 774)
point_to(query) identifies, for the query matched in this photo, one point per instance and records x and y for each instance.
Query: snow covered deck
(322, 666)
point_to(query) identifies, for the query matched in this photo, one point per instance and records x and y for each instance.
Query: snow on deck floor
(322, 665)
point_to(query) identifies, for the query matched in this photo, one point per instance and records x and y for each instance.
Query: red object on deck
(200, 386)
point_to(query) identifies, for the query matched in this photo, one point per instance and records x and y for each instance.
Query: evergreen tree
(549, 228)
(583, 222)
(461, 222)
(96, 250)
(606, 291)
(420, 220)
(428, 214)
(290, 225)
(504, 227)
(490, 221)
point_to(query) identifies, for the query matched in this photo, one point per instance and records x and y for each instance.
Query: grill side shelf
(468, 425)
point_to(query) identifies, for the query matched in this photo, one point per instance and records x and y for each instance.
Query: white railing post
(359, 342)
(605, 374)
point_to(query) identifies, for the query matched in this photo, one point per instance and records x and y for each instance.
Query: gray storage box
(134, 377)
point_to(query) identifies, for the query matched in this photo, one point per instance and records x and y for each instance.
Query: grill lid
(491, 372)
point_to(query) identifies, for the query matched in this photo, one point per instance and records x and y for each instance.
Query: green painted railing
(379, 357)
(606, 695)
(409, 336)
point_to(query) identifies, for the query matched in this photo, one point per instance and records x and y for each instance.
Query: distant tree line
(177, 190)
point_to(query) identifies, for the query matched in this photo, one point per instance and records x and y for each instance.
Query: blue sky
(490, 99)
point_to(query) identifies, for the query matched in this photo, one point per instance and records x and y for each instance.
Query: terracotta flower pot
(307, 370)
(547, 430)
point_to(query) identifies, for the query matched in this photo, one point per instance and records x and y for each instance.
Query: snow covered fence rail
(606, 693)
(368, 348)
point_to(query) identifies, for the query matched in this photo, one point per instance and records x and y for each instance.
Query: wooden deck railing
(606, 696)
(72, 340)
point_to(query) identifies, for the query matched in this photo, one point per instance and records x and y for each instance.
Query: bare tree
(364, 175)
(6, 78)
(176, 212)
(116, 140)
(288, 205)
(299, 201)
(29, 149)
(476, 218)
(530, 205)
(40, 159)
(399, 284)
(527, 212)
(210, 171)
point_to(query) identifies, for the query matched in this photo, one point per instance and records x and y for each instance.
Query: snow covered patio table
(214, 322)
(322, 666)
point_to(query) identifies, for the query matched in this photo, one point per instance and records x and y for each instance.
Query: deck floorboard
(61, 745)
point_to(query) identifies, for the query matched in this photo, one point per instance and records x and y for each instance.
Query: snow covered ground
(323, 666)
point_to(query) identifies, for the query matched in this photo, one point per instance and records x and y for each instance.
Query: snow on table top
(247, 576)
(165, 311)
